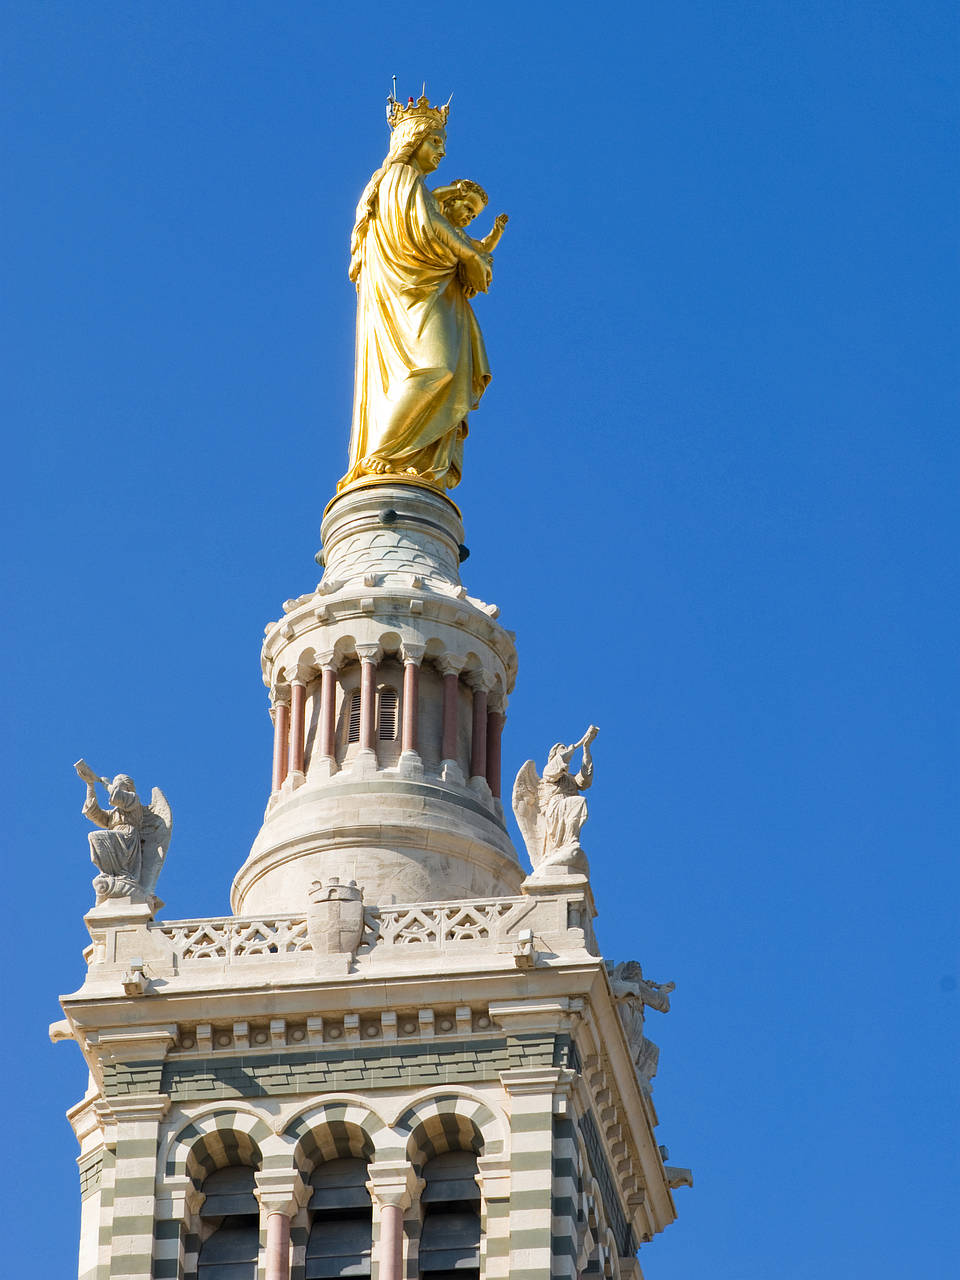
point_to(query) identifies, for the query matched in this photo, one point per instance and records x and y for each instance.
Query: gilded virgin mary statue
(421, 366)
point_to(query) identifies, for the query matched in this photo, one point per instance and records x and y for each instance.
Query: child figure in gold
(460, 202)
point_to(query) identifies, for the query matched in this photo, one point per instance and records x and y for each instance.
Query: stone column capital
(328, 661)
(394, 1182)
(279, 696)
(450, 664)
(479, 680)
(297, 673)
(281, 1191)
(410, 652)
(369, 652)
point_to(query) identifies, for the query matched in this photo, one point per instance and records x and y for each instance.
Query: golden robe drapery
(421, 364)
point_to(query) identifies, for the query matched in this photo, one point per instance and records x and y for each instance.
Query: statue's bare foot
(376, 466)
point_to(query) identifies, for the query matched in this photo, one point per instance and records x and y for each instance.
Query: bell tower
(403, 1056)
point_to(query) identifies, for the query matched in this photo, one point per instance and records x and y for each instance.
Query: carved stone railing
(229, 938)
(439, 925)
(444, 924)
(400, 932)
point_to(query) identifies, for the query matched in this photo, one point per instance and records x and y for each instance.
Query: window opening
(388, 715)
(231, 1218)
(353, 717)
(450, 1236)
(341, 1221)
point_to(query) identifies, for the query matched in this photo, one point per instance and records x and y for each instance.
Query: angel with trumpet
(134, 838)
(551, 810)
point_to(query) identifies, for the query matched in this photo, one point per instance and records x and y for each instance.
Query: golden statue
(421, 364)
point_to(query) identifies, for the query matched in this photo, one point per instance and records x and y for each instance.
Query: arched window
(387, 715)
(230, 1219)
(341, 1220)
(353, 717)
(450, 1236)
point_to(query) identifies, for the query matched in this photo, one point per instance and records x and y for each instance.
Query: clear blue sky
(712, 487)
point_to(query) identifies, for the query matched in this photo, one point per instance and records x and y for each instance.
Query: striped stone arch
(215, 1141)
(447, 1122)
(610, 1267)
(333, 1131)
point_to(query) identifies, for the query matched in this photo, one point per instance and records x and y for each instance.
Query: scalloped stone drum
(410, 826)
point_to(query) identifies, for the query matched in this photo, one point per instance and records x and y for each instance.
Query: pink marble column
(495, 722)
(451, 696)
(478, 741)
(393, 1185)
(368, 703)
(410, 737)
(298, 700)
(391, 1242)
(281, 737)
(278, 1247)
(328, 709)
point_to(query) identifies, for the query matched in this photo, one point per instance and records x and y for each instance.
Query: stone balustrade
(232, 939)
(514, 928)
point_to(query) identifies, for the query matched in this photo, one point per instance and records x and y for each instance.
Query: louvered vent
(450, 1234)
(388, 715)
(232, 1217)
(353, 721)
(341, 1227)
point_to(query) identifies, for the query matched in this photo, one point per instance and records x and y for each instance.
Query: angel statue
(634, 993)
(130, 849)
(550, 811)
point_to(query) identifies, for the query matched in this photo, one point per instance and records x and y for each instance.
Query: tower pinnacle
(401, 1057)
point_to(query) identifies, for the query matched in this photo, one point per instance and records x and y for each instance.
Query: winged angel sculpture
(130, 848)
(551, 810)
(634, 994)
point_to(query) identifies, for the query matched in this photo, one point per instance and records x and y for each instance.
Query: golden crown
(398, 112)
